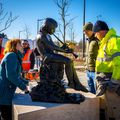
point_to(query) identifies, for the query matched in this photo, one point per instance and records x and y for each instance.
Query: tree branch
(5, 18)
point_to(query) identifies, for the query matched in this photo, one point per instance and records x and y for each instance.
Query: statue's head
(49, 25)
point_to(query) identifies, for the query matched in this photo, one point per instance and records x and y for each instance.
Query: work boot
(114, 87)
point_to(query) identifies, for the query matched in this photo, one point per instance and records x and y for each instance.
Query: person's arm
(113, 48)
(93, 51)
(47, 41)
(32, 59)
(11, 71)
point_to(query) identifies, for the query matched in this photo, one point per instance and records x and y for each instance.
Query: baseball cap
(88, 26)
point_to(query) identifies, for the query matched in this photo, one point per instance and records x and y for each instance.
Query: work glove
(101, 88)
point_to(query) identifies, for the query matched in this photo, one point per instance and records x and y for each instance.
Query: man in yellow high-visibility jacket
(108, 59)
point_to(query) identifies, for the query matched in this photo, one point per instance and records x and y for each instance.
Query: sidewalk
(82, 78)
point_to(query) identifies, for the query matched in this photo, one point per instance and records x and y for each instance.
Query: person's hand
(65, 46)
(85, 67)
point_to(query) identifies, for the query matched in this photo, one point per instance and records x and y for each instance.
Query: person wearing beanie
(91, 51)
(108, 59)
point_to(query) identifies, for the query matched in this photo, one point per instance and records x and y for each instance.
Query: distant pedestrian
(92, 51)
(28, 60)
(10, 77)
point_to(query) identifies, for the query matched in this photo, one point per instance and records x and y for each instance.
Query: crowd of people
(102, 62)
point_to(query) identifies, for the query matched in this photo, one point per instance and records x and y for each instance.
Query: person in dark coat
(10, 77)
(92, 51)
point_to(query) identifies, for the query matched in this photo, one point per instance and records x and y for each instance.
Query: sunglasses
(24, 43)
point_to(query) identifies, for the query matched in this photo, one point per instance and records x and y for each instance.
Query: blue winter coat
(10, 79)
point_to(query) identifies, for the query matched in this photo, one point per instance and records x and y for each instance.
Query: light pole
(83, 45)
(20, 33)
(38, 20)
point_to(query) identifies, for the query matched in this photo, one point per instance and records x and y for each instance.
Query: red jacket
(1, 54)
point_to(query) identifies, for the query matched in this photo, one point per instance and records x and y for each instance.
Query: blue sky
(31, 10)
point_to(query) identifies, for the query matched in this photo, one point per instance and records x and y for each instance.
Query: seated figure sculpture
(50, 87)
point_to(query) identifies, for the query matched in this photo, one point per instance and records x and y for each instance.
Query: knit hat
(100, 25)
(88, 26)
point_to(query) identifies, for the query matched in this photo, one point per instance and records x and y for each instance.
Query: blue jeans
(91, 81)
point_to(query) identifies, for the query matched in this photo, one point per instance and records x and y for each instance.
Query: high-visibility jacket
(26, 63)
(1, 54)
(108, 58)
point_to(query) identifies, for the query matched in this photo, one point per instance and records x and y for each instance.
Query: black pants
(6, 112)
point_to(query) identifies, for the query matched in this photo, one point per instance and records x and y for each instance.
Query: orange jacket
(1, 54)
(26, 63)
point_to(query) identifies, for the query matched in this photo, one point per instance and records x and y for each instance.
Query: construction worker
(1, 49)
(91, 51)
(108, 59)
(28, 60)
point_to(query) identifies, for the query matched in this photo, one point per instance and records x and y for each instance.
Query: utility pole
(83, 44)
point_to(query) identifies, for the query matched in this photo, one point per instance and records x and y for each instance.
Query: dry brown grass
(79, 65)
(79, 62)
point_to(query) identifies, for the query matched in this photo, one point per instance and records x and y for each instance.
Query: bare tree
(6, 18)
(63, 6)
(72, 32)
(27, 32)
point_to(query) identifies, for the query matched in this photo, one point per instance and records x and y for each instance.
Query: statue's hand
(69, 50)
(64, 46)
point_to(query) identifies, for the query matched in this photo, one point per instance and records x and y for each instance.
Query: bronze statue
(50, 88)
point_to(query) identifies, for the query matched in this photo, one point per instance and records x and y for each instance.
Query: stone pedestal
(110, 102)
(25, 109)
